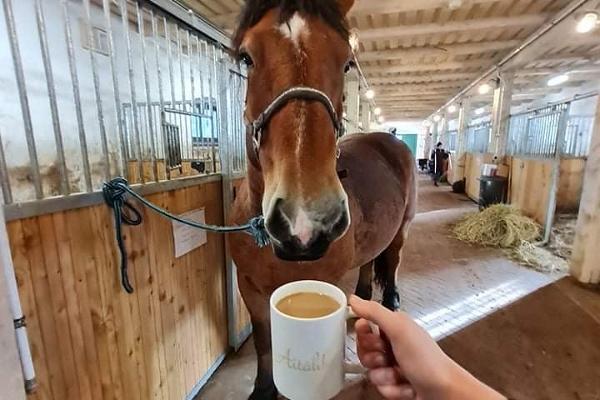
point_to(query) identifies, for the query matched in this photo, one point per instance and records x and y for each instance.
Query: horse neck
(256, 186)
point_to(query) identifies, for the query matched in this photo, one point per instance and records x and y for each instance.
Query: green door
(410, 140)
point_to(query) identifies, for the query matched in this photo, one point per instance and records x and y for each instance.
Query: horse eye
(349, 65)
(246, 59)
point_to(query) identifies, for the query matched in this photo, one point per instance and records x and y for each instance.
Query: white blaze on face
(302, 227)
(294, 29)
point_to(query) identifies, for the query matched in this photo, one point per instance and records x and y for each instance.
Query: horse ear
(345, 6)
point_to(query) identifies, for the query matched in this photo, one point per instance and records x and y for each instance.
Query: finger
(362, 327)
(385, 376)
(397, 392)
(374, 359)
(390, 322)
(372, 342)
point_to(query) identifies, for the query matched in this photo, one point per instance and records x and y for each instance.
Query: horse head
(296, 54)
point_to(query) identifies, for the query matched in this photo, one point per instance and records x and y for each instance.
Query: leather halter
(294, 93)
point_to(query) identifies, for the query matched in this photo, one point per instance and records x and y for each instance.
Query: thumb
(391, 323)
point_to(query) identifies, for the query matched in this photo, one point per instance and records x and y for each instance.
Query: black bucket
(492, 190)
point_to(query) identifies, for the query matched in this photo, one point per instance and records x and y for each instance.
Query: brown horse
(296, 53)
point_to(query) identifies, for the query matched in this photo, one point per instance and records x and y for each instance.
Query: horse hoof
(264, 394)
(391, 300)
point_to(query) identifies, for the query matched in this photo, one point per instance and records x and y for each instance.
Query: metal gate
(478, 137)
(107, 88)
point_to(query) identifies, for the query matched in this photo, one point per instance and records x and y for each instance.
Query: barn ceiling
(417, 54)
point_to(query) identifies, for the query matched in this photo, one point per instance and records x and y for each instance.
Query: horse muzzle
(301, 235)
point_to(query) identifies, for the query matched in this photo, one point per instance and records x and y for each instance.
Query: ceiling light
(452, 108)
(454, 4)
(484, 88)
(587, 23)
(437, 118)
(427, 123)
(370, 94)
(354, 41)
(558, 80)
(480, 111)
(377, 111)
(381, 119)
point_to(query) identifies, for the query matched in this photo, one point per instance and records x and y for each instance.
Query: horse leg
(264, 387)
(364, 288)
(257, 303)
(386, 266)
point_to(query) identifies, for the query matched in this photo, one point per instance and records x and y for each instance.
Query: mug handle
(351, 368)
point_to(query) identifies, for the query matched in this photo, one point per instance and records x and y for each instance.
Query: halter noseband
(294, 93)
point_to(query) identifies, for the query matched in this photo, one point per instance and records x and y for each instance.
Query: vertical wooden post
(501, 115)
(458, 172)
(585, 265)
(352, 102)
(365, 116)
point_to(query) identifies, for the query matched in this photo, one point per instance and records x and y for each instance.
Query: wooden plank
(57, 305)
(26, 293)
(570, 185)
(83, 367)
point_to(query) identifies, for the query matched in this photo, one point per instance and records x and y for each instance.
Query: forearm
(464, 386)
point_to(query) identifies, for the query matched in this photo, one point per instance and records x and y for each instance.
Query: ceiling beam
(418, 67)
(367, 7)
(457, 76)
(486, 24)
(415, 53)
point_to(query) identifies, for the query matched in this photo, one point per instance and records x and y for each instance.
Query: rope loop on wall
(115, 192)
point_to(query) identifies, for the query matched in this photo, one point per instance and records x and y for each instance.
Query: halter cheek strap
(294, 93)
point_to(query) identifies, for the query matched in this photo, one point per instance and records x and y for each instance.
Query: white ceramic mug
(308, 353)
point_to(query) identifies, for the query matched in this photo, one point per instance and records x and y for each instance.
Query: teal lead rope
(125, 213)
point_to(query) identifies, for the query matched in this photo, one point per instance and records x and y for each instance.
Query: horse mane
(254, 10)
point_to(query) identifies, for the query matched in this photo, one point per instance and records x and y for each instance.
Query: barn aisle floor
(444, 284)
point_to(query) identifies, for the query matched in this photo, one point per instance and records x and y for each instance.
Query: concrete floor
(443, 283)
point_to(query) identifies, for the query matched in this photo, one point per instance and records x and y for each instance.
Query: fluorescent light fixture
(370, 94)
(381, 119)
(480, 111)
(354, 41)
(426, 123)
(377, 111)
(587, 23)
(452, 108)
(437, 118)
(558, 80)
(484, 88)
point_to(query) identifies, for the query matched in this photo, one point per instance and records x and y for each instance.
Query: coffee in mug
(308, 305)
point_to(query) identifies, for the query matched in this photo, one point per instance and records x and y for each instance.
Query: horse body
(320, 226)
(381, 188)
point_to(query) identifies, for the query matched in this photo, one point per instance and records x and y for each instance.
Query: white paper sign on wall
(187, 238)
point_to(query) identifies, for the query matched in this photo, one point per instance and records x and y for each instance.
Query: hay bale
(500, 225)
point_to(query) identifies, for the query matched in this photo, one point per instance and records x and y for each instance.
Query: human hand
(405, 363)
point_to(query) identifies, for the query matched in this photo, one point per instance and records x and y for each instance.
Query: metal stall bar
(211, 82)
(60, 151)
(99, 108)
(182, 124)
(85, 159)
(4, 179)
(116, 88)
(23, 99)
(136, 127)
(193, 97)
(161, 96)
(140, 22)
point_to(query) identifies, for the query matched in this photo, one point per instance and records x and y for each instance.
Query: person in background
(437, 156)
(405, 363)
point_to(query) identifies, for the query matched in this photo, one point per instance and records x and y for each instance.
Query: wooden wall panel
(530, 180)
(570, 185)
(91, 340)
(473, 163)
